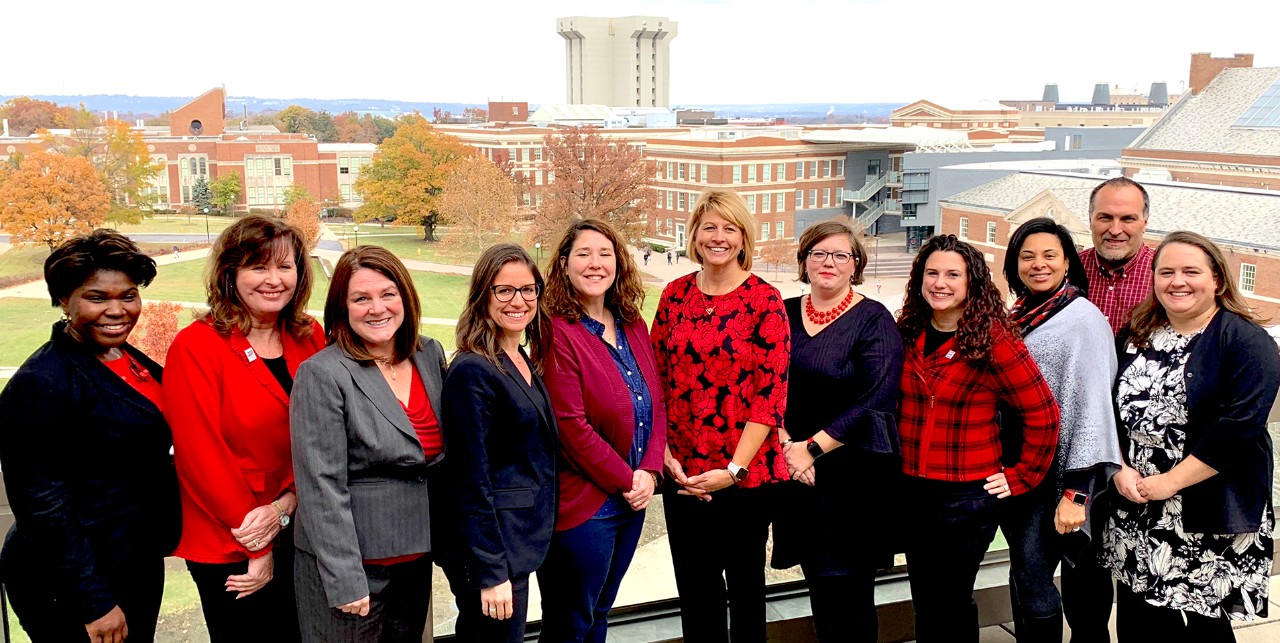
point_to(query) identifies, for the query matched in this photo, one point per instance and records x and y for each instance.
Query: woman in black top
(841, 437)
(85, 453)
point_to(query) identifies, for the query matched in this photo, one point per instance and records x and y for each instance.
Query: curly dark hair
(625, 296)
(77, 259)
(984, 312)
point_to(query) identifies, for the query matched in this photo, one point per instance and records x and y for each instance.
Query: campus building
(617, 61)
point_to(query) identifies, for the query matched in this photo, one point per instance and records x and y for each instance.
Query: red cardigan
(230, 422)
(596, 419)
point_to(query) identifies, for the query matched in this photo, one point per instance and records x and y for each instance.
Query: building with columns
(619, 62)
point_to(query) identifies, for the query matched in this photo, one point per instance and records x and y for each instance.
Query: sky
(726, 51)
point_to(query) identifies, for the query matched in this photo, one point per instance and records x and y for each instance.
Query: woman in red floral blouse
(722, 344)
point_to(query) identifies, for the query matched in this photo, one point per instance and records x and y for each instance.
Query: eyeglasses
(505, 294)
(838, 257)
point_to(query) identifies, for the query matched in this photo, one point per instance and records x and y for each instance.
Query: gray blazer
(359, 467)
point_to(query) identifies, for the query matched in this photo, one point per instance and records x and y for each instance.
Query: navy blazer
(88, 474)
(501, 438)
(1231, 378)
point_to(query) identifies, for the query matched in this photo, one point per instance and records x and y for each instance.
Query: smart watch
(814, 449)
(1078, 497)
(739, 473)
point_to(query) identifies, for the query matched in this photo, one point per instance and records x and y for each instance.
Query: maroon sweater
(594, 413)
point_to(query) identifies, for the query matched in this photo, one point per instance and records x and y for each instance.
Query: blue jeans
(1035, 548)
(580, 578)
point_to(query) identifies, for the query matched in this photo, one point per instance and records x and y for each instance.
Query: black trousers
(952, 526)
(1138, 621)
(137, 587)
(718, 551)
(399, 596)
(474, 627)
(1087, 588)
(269, 615)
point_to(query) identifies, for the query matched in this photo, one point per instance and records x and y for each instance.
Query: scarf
(1030, 311)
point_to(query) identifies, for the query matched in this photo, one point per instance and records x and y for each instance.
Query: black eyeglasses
(505, 294)
(838, 257)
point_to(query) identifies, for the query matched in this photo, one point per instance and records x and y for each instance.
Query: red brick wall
(209, 109)
(1204, 68)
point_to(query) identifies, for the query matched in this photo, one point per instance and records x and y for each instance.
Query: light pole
(876, 272)
(538, 246)
(208, 238)
(356, 229)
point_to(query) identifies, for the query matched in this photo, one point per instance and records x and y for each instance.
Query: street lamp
(538, 246)
(208, 238)
(356, 229)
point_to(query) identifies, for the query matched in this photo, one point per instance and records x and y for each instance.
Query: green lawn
(184, 281)
(178, 224)
(24, 325)
(26, 261)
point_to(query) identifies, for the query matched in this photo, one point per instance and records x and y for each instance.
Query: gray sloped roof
(1238, 216)
(1203, 123)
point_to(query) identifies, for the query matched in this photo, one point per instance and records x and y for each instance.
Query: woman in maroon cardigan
(608, 404)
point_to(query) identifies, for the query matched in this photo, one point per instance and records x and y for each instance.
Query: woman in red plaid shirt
(965, 363)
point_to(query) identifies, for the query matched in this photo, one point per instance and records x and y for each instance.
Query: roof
(573, 113)
(1204, 122)
(923, 138)
(1229, 215)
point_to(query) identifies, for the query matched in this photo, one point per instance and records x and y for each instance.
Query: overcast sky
(727, 51)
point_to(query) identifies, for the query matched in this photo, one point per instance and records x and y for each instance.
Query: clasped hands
(799, 462)
(1137, 488)
(701, 485)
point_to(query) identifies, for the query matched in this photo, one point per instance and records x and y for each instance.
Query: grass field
(24, 325)
(26, 261)
(178, 224)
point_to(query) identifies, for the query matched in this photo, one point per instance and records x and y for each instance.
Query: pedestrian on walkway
(878, 284)
(647, 252)
(668, 257)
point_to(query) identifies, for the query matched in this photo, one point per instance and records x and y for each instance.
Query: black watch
(814, 449)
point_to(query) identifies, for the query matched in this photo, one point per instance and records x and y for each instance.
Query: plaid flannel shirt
(1117, 292)
(947, 414)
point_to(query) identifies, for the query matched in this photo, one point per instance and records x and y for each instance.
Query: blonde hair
(730, 206)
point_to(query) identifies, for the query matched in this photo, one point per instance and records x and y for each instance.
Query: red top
(723, 362)
(947, 414)
(137, 376)
(423, 418)
(1117, 292)
(230, 422)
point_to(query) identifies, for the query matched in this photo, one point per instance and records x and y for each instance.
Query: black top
(88, 474)
(934, 338)
(280, 370)
(1231, 380)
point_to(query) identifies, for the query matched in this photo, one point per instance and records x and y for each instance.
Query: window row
(265, 166)
(352, 164)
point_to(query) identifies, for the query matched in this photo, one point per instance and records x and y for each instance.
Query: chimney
(1102, 94)
(1204, 68)
(1051, 93)
(1159, 95)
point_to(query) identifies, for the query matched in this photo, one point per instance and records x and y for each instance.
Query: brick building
(1241, 221)
(983, 115)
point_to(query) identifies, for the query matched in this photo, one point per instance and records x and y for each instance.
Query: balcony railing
(895, 180)
(874, 184)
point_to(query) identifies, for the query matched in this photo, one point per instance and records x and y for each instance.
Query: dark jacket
(501, 439)
(1231, 378)
(88, 474)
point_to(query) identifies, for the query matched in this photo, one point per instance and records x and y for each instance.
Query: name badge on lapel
(250, 355)
(1130, 349)
(951, 354)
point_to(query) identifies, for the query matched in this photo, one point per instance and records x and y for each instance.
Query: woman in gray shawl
(1072, 344)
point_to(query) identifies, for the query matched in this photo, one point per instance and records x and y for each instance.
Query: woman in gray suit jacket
(365, 434)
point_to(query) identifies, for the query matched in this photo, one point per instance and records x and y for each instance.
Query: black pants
(473, 626)
(399, 596)
(844, 607)
(269, 615)
(1087, 588)
(136, 586)
(718, 552)
(952, 526)
(1035, 549)
(1138, 621)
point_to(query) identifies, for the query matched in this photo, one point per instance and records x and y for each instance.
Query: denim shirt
(641, 403)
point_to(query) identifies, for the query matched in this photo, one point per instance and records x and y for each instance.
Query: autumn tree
(779, 254)
(304, 213)
(226, 189)
(594, 178)
(26, 116)
(479, 202)
(127, 169)
(295, 193)
(158, 324)
(52, 197)
(405, 180)
(363, 128)
(298, 119)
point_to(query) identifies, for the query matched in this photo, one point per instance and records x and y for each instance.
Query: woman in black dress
(841, 436)
(85, 453)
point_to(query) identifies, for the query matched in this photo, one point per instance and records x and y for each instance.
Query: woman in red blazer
(226, 396)
(606, 395)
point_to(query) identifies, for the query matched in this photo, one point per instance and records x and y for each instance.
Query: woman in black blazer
(1190, 541)
(85, 454)
(365, 438)
(501, 439)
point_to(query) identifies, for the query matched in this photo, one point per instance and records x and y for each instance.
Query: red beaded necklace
(822, 318)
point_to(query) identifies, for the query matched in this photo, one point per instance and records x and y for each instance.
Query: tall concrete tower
(619, 62)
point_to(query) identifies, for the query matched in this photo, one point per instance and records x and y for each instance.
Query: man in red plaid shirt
(1119, 263)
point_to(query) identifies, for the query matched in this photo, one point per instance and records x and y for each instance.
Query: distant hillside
(160, 104)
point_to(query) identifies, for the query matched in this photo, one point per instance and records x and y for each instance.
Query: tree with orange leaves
(157, 326)
(594, 178)
(51, 198)
(479, 202)
(404, 183)
(304, 213)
